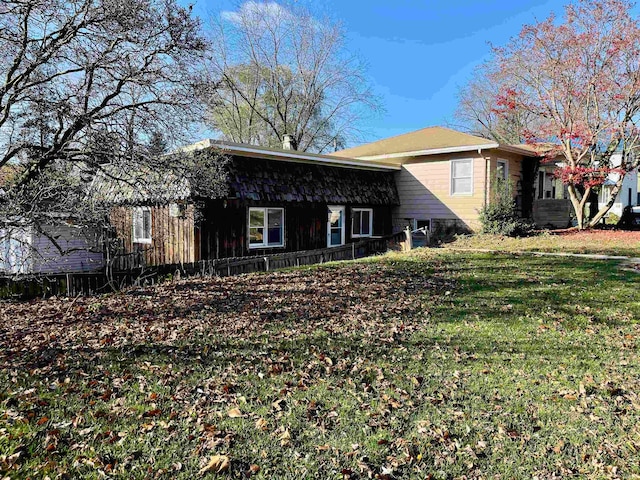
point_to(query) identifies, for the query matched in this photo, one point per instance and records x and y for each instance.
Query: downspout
(487, 165)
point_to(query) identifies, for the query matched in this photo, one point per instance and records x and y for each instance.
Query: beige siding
(424, 187)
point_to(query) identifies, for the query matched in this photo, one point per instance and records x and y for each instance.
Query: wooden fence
(75, 284)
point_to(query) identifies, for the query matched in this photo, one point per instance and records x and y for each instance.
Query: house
(628, 194)
(56, 247)
(273, 201)
(552, 207)
(445, 177)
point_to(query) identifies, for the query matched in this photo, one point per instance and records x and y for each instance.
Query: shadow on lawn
(566, 290)
(485, 292)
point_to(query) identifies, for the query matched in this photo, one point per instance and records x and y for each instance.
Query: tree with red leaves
(579, 79)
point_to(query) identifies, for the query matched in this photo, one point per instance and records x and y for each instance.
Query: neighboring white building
(628, 194)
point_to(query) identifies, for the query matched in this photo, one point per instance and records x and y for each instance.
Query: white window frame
(265, 226)
(414, 223)
(506, 168)
(139, 212)
(343, 212)
(452, 178)
(353, 215)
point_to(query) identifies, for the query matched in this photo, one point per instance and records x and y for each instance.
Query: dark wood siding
(224, 227)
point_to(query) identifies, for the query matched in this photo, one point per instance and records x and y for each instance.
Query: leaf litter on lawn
(172, 361)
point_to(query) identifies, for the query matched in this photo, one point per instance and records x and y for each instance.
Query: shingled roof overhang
(259, 180)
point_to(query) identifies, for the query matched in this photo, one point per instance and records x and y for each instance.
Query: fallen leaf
(235, 413)
(285, 438)
(217, 464)
(253, 469)
(261, 424)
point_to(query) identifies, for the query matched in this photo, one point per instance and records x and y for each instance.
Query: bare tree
(83, 83)
(478, 112)
(277, 71)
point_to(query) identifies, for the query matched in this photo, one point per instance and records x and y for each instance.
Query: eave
(241, 150)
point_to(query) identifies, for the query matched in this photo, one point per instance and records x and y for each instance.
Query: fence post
(266, 264)
(408, 240)
(69, 285)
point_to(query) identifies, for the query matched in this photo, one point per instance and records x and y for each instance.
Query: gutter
(290, 156)
(432, 151)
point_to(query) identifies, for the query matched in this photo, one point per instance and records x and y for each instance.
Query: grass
(608, 242)
(433, 364)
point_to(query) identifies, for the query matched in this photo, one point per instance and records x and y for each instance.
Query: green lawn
(434, 364)
(608, 242)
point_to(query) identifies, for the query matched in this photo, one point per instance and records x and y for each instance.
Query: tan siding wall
(173, 238)
(515, 167)
(424, 189)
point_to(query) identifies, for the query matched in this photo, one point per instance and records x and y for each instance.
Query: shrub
(500, 216)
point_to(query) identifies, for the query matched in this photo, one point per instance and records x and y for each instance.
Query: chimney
(288, 142)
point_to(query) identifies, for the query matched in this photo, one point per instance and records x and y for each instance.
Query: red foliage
(587, 177)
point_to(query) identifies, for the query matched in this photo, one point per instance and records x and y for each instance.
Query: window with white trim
(502, 169)
(142, 225)
(266, 227)
(421, 224)
(362, 222)
(462, 177)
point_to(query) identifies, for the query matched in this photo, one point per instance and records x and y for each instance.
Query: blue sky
(418, 52)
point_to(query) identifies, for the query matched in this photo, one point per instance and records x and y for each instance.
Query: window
(461, 177)
(266, 227)
(335, 225)
(142, 225)
(421, 224)
(362, 222)
(502, 169)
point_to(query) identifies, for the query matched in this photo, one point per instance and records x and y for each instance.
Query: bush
(500, 216)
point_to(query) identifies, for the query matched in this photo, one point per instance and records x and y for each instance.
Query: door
(335, 226)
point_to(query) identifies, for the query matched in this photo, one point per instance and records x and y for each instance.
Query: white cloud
(253, 10)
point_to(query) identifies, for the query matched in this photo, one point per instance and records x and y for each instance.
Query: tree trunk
(612, 199)
(577, 205)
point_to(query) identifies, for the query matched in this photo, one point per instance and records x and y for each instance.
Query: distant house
(276, 200)
(55, 246)
(58, 247)
(446, 176)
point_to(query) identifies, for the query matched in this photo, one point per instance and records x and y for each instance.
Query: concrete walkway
(626, 263)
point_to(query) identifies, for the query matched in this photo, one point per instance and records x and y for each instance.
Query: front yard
(607, 242)
(434, 364)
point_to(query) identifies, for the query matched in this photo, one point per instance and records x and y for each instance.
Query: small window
(421, 224)
(502, 169)
(462, 177)
(142, 225)
(362, 225)
(266, 227)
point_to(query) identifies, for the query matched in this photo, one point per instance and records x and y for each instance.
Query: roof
(294, 156)
(263, 180)
(427, 141)
(139, 186)
(268, 175)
